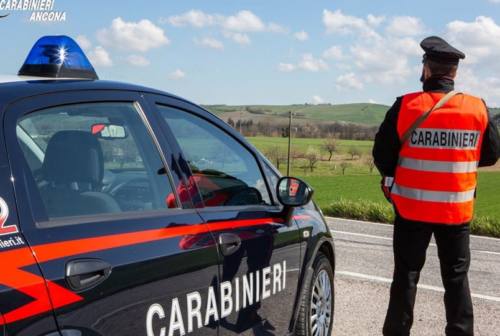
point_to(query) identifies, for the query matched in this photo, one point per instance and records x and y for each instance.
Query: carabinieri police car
(129, 211)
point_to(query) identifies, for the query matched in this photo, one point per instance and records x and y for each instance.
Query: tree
(231, 122)
(370, 163)
(276, 154)
(354, 151)
(312, 156)
(330, 145)
(344, 165)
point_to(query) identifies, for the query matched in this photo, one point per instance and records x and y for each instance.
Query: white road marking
(360, 235)
(390, 225)
(364, 235)
(422, 286)
(359, 221)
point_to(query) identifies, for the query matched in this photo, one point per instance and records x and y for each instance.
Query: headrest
(73, 156)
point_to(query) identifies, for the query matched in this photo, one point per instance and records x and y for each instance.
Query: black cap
(439, 50)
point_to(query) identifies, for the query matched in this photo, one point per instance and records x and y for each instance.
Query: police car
(129, 211)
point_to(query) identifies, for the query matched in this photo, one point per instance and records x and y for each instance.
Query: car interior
(80, 172)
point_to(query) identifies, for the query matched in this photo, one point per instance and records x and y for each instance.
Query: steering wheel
(116, 189)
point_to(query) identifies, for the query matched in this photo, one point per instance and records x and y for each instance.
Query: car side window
(225, 172)
(93, 159)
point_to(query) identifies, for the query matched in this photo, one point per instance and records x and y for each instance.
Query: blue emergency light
(57, 57)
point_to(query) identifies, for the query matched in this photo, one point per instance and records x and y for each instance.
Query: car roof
(13, 88)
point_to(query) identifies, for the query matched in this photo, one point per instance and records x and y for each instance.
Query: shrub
(361, 209)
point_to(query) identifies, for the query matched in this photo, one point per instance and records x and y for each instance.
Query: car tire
(315, 316)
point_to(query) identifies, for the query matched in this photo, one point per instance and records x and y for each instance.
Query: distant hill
(363, 113)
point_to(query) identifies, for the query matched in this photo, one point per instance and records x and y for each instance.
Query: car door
(120, 252)
(259, 249)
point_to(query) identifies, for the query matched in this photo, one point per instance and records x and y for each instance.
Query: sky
(270, 51)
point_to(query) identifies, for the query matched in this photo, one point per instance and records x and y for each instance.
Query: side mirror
(292, 192)
(109, 131)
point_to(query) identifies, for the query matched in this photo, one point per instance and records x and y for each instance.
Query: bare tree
(354, 151)
(330, 145)
(370, 163)
(312, 156)
(344, 165)
(276, 154)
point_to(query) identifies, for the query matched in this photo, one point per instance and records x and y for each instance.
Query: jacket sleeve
(387, 144)
(490, 150)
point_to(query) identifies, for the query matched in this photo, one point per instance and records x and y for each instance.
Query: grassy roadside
(359, 197)
(383, 213)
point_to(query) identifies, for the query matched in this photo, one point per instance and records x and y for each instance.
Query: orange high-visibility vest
(436, 176)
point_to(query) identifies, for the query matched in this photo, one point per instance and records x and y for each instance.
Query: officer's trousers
(411, 240)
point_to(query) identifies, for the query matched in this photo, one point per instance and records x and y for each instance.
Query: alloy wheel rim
(321, 305)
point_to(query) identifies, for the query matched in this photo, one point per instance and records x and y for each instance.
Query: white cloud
(139, 36)
(407, 46)
(210, 42)
(100, 57)
(239, 38)
(488, 87)
(372, 101)
(316, 100)
(334, 52)
(479, 39)
(138, 60)
(406, 26)
(309, 63)
(286, 67)
(379, 63)
(381, 50)
(338, 22)
(374, 20)
(349, 81)
(301, 36)
(494, 1)
(177, 74)
(83, 42)
(243, 21)
(195, 18)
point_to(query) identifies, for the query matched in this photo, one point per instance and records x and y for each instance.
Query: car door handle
(83, 274)
(229, 243)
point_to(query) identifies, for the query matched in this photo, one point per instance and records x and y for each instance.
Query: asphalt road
(363, 275)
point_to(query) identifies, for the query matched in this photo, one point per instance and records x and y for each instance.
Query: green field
(264, 143)
(359, 183)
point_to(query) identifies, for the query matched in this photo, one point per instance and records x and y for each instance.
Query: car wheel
(317, 303)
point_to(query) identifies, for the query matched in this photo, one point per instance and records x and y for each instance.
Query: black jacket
(387, 144)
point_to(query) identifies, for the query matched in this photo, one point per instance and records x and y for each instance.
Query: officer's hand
(386, 186)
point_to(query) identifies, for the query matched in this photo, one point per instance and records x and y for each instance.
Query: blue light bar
(57, 57)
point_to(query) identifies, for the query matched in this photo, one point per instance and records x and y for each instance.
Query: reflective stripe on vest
(436, 174)
(439, 166)
(433, 196)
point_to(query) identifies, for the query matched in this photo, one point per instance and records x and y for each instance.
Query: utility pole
(289, 142)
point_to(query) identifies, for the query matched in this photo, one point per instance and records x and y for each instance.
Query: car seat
(73, 168)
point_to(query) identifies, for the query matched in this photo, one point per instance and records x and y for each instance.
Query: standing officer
(428, 150)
